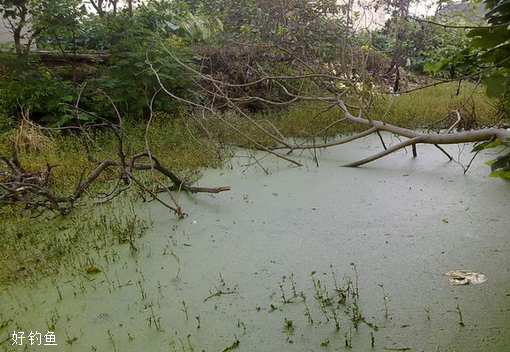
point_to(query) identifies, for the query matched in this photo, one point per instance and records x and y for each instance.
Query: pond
(316, 258)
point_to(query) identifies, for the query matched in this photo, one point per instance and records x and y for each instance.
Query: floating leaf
(93, 270)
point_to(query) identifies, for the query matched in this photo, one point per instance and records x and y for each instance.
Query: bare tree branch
(459, 27)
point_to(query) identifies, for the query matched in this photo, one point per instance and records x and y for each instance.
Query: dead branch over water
(32, 188)
(218, 90)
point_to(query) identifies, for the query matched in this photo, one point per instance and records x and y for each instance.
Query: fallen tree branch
(444, 152)
(31, 188)
(331, 144)
(426, 138)
(388, 151)
(456, 121)
(415, 137)
(219, 93)
(47, 56)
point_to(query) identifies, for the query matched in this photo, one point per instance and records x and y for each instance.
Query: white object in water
(465, 277)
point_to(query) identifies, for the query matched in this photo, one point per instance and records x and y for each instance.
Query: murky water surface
(226, 276)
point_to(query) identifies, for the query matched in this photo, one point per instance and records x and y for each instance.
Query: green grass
(178, 147)
(416, 110)
(44, 246)
(421, 108)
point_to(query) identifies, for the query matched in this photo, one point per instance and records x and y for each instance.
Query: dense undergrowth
(183, 144)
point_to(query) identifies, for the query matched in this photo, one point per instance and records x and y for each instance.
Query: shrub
(28, 88)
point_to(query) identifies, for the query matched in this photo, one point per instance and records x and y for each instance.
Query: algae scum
(302, 259)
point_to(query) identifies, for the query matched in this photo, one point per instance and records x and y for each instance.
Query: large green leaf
(502, 162)
(486, 145)
(501, 173)
(437, 66)
(496, 85)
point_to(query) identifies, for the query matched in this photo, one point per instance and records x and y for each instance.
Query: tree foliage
(310, 27)
(488, 49)
(29, 88)
(130, 36)
(271, 37)
(491, 47)
(16, 16)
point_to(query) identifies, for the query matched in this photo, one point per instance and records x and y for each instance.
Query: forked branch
(219, 93)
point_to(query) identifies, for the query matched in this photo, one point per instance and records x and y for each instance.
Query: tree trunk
(130, 8)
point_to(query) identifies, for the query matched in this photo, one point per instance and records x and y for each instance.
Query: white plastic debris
(465, 277)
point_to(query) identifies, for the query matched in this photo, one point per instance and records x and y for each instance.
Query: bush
(131, 84)
(28, 88)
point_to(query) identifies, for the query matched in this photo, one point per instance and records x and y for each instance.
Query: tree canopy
(249, 56)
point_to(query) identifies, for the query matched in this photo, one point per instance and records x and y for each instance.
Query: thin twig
(460, 27)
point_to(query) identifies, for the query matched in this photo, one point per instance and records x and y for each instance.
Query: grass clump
(430, 108)
(178, 146)
(30, 250)
(422, 108)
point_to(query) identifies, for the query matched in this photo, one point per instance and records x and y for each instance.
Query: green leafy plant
(173, 19)
(27, 88)
(500, 166)
(492, 46)
(129, 82)
(441, 47)
(488, 51)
